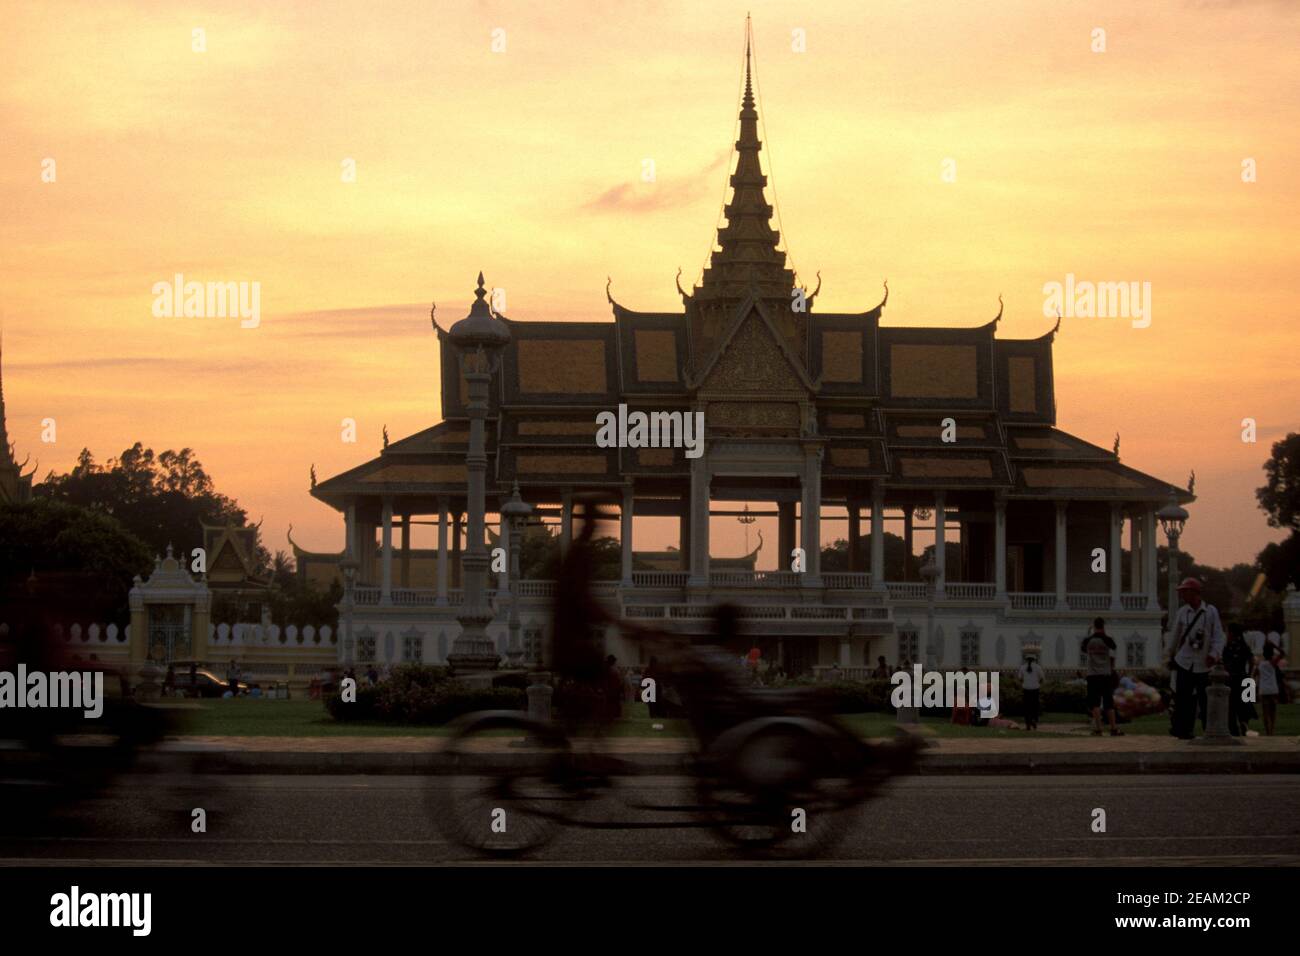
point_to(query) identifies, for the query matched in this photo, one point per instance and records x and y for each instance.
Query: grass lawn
(246, 717)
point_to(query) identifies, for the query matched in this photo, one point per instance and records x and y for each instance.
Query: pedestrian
(1100, 650)
(169, 682)
(232, 678)
(882, 669)
(372, 675)
(613, 689)
(1269, 682)
(1197, 645)
(1031, 679)
(1240, 664)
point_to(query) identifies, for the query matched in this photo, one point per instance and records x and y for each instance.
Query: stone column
(456, 578)
(386, 587)
(1134, 556)
(908, 553)
(855, 536)
(699, 524)
(566, 520)
(846, 652)
(442, 552)
(1149, 565)
(784, 533)
(625, 534)
(810, 517)
(1116, 546)
(1000, 546)
(940, 545)
(503, 542)
(684, 533)
(350, 530)
(878, 537)
(406, 549)
(1061, 603)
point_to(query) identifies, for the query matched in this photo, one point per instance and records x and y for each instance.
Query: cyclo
(774, 771)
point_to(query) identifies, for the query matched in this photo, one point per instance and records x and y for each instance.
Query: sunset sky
(225, 165)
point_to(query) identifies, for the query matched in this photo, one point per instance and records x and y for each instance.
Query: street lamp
(1172, 519)
(930, 574)
(478, 340)
(349, 567)
(514, 513)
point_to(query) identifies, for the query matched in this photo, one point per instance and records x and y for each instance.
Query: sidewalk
(1044, 755)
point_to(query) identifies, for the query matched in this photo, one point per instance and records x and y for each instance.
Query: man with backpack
(1197, 646)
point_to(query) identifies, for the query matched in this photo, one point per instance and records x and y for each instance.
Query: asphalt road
(995, 820)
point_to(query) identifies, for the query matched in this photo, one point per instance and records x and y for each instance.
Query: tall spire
(747, 261)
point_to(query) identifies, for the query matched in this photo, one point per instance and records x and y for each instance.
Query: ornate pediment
(753, 361)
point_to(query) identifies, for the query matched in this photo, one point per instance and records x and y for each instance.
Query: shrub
(517, 680)
(362, 709)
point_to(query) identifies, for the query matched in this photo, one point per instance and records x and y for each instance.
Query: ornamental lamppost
(349, 567)
(515, 513)
(930, 574)
(479, 340)
(1172, 518)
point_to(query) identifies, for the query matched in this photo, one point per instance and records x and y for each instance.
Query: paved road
(1173, 820)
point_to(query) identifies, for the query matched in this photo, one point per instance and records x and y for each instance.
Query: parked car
(205, 683)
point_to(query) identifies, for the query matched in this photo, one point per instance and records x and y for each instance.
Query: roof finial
(608, 282)
(998, 318)
(749, 87)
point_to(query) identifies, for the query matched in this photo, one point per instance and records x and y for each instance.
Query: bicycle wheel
(502, 802)
(779, 793)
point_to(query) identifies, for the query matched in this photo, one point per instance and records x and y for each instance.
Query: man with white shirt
(1197, 645)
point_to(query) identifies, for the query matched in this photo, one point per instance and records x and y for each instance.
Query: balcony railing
(907, 590)
(1032, 600)
(1088, 602)
(754, 579)
(964, 591)
(660, 579)
(1133, 602)
(846, 581)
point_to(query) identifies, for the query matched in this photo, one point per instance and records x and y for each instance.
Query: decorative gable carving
(752, 361)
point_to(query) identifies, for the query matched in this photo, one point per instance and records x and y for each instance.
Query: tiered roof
(742, 345)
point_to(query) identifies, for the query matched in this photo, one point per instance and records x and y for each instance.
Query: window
(533, 645)
(365, 648)
(1135, 652)
(970, 647)
(413, 650)
(909, 648)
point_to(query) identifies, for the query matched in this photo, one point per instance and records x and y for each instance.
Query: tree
(899, 565)
(161, 499)
(51, 538)
(1279, 498)
(539, 556)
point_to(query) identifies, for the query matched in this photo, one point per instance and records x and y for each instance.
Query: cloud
(660, 194)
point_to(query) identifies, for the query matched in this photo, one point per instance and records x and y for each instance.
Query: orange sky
(226, 165)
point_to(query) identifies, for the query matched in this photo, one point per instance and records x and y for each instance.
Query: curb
(423, 763)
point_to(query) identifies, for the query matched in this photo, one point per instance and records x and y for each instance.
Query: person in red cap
(1197, 645)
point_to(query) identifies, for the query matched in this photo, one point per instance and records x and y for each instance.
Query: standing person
(1269, 681)
(613, 689)
(1100, 648)
(1240, 663)
(232, 678)
(169, 682)
(1197, 645)
(1031, 678)
(882, 669)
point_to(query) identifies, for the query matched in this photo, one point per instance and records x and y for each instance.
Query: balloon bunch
(1133, 698)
